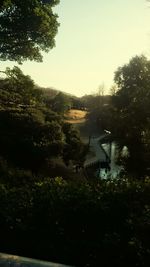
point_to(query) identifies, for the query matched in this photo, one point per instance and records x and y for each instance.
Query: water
(103, 153)
(115, 169)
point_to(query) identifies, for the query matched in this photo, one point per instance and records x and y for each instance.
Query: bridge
(99, 154)
(99, 160)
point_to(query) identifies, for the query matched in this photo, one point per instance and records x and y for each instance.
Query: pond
(112, 151)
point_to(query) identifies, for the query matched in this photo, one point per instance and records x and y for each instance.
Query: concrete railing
(17, 261)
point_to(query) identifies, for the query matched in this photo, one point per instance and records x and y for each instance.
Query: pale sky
(95, 37)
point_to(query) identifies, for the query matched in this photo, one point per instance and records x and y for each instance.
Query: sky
(95, 37)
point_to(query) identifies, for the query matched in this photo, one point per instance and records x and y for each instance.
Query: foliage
(26, 28)
(127, 114)
(18, 90)
(30, 133)
(27, 140)
(95, 101)
(61, 103)
(101, 224)
(74, 149)
(132, 106)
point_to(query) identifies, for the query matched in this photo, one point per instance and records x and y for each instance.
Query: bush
(103, 224)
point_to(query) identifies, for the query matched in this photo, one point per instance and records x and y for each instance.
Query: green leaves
(26, 28)
(18, 89)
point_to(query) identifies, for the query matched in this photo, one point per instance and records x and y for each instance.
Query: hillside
(75, 116)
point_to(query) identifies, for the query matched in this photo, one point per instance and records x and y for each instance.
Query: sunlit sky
(95, 37)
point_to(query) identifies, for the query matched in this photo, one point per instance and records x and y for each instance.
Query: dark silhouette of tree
(31, 134)
(132, 111)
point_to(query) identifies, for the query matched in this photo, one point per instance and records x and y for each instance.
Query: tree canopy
(132, 111)
(127, 114)
(31, 134)
(26, 28)
(18, 89)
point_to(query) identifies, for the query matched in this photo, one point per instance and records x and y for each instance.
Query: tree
(74, 149)
(18, 89)
(132, 112)
(31, 134)
(26, 28)
(61, 103)
(27, 139)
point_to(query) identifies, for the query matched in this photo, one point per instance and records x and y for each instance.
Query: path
(96, 149)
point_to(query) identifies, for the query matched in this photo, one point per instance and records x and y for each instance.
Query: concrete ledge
(17, 261)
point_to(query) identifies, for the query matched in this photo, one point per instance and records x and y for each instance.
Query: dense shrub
(103, 224)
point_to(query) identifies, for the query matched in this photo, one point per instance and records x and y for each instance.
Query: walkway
(96, 151)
